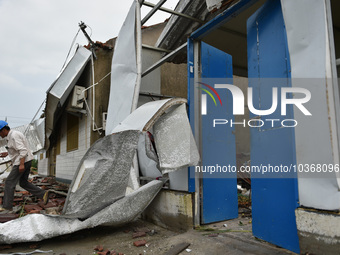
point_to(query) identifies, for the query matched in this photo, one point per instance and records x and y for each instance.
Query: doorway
(255, 39)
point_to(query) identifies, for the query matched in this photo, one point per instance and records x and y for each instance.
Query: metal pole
(93, 46)
(155, 48)
(198, 133)
(163, 60)
(174, 12)
(152, 12)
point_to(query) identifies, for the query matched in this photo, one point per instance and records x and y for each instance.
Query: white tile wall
(67, 162)
(43, 166)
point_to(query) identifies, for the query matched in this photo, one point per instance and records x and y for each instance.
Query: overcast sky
(36, 36)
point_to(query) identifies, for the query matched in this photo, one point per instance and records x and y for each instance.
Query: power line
(4, 116)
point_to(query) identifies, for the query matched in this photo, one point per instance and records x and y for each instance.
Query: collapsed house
(221, 47)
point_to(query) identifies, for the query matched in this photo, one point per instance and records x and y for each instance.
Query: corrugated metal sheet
(62, 87)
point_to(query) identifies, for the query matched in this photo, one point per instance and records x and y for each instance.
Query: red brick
(107, 252)
(29, 208)
(139, 243)
(48, 205)
(24, 192)
(34, 211)
(99, 248)
(138, 234)
(59, 201)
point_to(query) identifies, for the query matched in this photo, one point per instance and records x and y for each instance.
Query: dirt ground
(229, 237)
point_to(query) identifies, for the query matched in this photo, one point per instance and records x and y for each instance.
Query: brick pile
(25, 203)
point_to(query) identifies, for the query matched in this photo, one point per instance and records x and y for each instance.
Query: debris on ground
(25, 203)
(244, 201)
(99, 249)
(6, 246)
(139, 243)
(138, 234)
(177, 249)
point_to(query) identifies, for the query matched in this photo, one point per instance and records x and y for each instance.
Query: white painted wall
(43, 165)
(317, 140)
(67, 162)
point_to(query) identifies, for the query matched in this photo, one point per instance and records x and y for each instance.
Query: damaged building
(221, 85)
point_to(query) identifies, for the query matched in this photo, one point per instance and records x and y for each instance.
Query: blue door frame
(274, 200)
(218, 191)
(274, 197)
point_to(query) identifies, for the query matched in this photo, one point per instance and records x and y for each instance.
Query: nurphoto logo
(238, 99)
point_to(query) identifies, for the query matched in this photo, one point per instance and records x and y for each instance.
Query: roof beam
(165, 59)
(155, 48)
(174, 12)
(152, 12)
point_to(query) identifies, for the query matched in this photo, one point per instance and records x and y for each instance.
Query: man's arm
(22, 165)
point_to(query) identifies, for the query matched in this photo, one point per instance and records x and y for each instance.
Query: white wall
(67, 162)
(43, 165)
(317, 135)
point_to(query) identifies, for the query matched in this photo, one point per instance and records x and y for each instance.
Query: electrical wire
(15, 117)
(68, 54)
(89, 28)
(34, 117)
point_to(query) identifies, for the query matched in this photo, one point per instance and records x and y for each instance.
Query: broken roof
(62, 87)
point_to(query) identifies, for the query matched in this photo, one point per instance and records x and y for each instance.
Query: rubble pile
(25, 203)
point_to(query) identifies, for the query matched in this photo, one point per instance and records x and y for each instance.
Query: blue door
(274, 196)
(218, 191)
